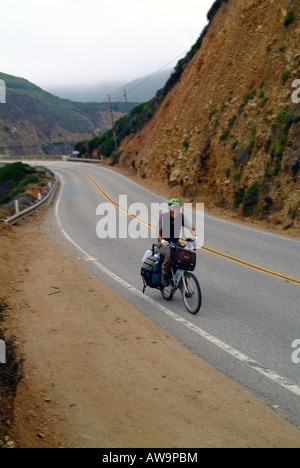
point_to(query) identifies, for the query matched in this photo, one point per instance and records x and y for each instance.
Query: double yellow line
(206, 249)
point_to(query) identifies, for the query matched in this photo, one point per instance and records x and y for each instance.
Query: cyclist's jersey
(170, 228)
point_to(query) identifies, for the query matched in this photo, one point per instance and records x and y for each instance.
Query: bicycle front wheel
(191, 293)
(167, 293)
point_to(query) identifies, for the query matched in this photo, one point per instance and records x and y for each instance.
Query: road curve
(249, 278)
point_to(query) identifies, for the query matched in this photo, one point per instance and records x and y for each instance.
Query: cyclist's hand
(164, 242)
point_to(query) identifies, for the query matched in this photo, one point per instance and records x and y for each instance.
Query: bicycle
(182, 278)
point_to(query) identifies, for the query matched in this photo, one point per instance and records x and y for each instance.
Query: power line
(153, 74)
(150, 76)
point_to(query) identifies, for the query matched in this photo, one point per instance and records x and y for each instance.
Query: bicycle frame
(187, 283)
(176, 278)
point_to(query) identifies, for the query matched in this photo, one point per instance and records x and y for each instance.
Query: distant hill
(145, 88)
(34, 122)
(140, 90)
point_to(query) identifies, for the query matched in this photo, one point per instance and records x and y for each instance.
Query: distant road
(250, 282)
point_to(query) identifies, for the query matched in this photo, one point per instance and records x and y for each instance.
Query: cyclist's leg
(165, 251)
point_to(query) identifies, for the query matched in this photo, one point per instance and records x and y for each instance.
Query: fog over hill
(35, 122)
(140, 90)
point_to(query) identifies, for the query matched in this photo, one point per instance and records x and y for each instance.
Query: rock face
(228, 132)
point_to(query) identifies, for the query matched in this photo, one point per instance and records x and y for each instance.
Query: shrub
(251, 198)
(15, 172)
(214, 9)
(29, 180)
(212, 112)
(252, 135)
(285, 77)
(239, 195)
(224, 136)
(290, 18)
(248, 96)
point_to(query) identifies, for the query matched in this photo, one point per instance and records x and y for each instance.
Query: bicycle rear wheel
(191, 293)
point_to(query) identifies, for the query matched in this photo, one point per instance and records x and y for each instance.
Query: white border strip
(199, 331)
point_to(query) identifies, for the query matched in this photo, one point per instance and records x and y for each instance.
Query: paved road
(250, 312)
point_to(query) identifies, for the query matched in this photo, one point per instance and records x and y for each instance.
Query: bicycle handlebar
(190, 244)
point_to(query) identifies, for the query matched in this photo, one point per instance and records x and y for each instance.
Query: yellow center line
(206, 249)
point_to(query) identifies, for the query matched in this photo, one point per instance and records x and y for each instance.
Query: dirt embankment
(97, 373)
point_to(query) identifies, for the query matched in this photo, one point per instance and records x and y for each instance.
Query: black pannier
(151, 272)
(183, 259)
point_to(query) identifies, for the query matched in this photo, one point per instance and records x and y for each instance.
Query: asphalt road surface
(250, 315)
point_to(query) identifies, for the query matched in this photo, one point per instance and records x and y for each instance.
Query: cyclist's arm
(159, 237)
(186, 224)
(159, 230)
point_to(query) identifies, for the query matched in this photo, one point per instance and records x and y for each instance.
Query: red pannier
(183, 259)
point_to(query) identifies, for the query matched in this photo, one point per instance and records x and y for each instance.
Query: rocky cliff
(228, 133)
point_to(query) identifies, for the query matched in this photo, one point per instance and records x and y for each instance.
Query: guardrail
(21, 157)
(82, 160)
(22, 214)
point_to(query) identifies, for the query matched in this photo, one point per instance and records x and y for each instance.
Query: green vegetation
(15, 177)
(252, 135)
(238, 195)
(130, 124)
(286, 118)
(285, 77)
(214, 9)
(15, 172)
(250, 198)
(212, 112)
(45, 111)
(248, 96)
(225, 134)
(290, 18)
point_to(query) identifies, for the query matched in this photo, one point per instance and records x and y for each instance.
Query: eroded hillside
(228, 132)
(34, 122)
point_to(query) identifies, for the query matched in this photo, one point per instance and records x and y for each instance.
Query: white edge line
(199, 331)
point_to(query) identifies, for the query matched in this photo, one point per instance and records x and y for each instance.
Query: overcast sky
(76, 42)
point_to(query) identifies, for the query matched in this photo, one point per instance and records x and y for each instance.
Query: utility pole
(125, 95)
(113, 123)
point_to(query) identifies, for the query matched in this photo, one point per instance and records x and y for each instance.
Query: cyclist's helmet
(174, 202)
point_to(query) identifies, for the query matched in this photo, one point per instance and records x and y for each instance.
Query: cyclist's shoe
(165, 281)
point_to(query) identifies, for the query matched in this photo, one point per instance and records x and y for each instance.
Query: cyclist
(169, 229)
